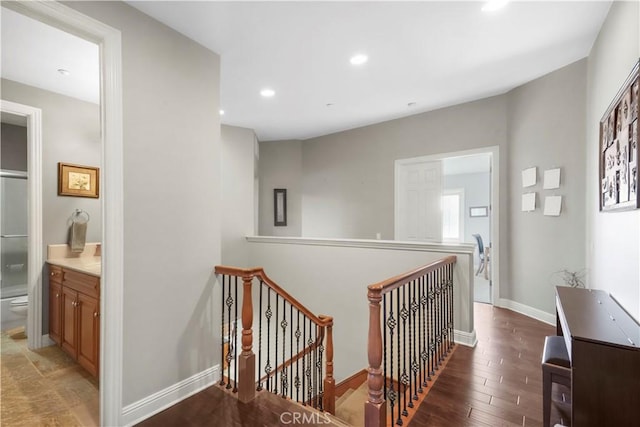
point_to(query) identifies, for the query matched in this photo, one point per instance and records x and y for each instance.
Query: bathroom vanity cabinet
(74, 315)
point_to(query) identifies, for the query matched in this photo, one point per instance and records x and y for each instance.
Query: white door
(418, 201)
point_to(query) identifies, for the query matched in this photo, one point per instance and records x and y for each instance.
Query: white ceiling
(433, 54)
(32, 53)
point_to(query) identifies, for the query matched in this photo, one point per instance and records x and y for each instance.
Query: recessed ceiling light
(64, 72)
(222, 112)
(267, 93)
(330, 104)
(411, 104)
(492, 5)
(359, 59)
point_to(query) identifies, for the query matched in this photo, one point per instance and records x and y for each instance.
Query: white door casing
(494, 207)
(34, 210)
(111, 300)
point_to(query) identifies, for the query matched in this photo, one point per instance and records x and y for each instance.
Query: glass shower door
(13, 232)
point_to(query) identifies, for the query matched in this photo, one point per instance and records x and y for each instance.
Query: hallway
(499, 382)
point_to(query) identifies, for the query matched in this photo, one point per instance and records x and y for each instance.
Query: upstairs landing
(215, 407)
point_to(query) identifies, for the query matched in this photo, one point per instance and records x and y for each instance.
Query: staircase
(350, 406)
(410, 339)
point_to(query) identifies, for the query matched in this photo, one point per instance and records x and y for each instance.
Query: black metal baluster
(414, 359)
(320, 363)
(440, 320)
(275, 370)
(436, 312)
(268, 314)
(424, 354)
(447, 311)
(229, 303)
(283, 324)
(449, 307)
(222, 355)
(297, 381)
(384, 344)
(391, 324)
(259, 388)
(235, 339)
(309, 367)
(451, 330)
(304, 360)
(291, 351)
(436, 290)
(410, 355)
(445, 308)
(432, 344)
(405, 378)
(399, 420)
(315, 365)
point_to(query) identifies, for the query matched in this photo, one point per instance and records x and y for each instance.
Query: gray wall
(477, 192)
(349, 176)
(239, 170)
(546, 130)
(281, 167)
(613, 239)
(172, 209)
(70, 134)
(13, 152)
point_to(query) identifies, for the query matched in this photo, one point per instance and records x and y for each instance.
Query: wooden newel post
(247, 359)
(375, 409)
(329, 399)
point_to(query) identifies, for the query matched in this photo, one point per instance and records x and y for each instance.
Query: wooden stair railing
(306, 342)
(410, 334)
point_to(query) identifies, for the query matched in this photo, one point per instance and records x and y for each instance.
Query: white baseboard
(534, 313)
(465, 338)
(151, 405)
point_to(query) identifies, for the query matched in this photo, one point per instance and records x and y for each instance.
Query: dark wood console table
(603, 342)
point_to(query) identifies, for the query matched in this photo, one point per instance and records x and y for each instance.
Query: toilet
(19, 306)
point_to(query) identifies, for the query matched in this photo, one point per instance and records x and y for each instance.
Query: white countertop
(87, 261)
(88, 264)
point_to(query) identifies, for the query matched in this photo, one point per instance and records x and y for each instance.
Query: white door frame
(495, 203)
(111, 304)
(34, 213)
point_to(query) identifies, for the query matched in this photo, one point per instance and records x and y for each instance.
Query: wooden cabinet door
(69, 340)
(55, 311)
(88, 332)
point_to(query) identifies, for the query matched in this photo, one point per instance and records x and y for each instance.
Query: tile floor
(44, 387)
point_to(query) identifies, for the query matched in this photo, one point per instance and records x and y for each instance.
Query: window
(452, 219)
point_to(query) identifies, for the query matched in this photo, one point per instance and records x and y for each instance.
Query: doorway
(109, 41)
(466, 207)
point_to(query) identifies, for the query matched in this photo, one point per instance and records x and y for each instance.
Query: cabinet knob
(95, 314)
(53, 273)
(57, 295)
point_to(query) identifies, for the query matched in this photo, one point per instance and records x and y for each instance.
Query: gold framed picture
(78, 181)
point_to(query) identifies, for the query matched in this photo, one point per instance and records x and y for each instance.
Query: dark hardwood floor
(497, 383)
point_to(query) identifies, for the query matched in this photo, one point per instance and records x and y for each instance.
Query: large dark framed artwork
(619, 174)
